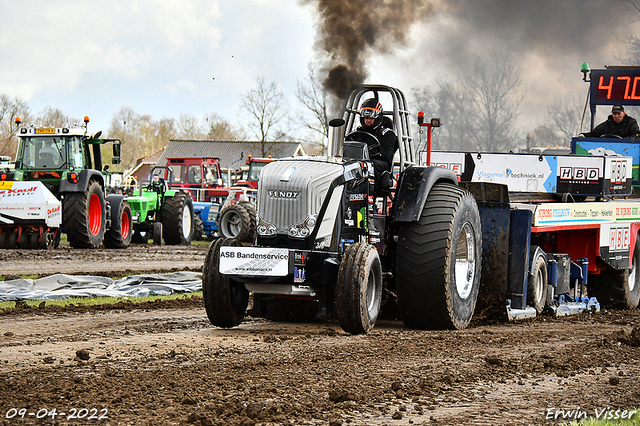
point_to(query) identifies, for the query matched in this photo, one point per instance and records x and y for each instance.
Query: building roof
(230, 154)
(151, 158)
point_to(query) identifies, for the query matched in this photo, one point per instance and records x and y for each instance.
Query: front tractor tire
(177, 219)
(83, 215)
(359, 288)
(438, 261)
(225, 300)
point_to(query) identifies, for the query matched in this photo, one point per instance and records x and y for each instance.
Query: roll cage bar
(399, 115)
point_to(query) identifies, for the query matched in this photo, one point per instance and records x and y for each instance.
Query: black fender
(84, 176)
(413, 188)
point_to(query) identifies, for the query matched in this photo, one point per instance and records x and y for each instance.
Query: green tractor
(161, 212)
(68, 161)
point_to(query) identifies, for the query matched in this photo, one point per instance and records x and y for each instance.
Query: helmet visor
(369, 112)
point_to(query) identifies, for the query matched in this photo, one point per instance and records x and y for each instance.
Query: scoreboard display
(611, 86)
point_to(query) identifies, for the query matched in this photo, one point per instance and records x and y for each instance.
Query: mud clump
(632, 339)
(83, 354)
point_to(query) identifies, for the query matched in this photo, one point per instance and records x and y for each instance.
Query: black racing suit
(627, 128)
(382, 159)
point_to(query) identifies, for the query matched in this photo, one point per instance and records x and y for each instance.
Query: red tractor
(201, 176)
(252, 173)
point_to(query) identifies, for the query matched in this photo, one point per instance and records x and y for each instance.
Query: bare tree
(632, 57)
(189, 127)
(165, 131)
(54, 117)
(565, 118)
(266, 107)
(445, 103)
(490, 102)
(313, 97)
(219, 129)
(140, 134)
(9, 110)
(125, 125)
(561, 124)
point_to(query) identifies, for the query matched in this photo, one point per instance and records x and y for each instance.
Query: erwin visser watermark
(606, 413)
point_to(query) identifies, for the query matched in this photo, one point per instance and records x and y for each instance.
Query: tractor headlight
(265, 229)
(304, 229)
(311, 222)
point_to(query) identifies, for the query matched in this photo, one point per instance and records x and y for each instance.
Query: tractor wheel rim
(372, 287)
(539, 285)
(51, 240)
(95, 214)
(465, 265)
(232, 224)
(124, 226)
(186, 221)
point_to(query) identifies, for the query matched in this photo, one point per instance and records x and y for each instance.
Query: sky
(158, 57)
(165, 58)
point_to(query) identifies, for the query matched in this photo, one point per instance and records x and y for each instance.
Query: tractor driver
(158, 184)
(618, 124)
(372, 121)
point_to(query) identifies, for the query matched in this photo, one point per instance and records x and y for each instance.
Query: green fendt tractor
(68, 161)
(159, 211)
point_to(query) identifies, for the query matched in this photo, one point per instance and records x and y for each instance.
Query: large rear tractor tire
(225, 300)
(359, 288)
(618, 289)
(235, 222)
(121, 232)
(438, 261)
(177, 219)
(83, 216)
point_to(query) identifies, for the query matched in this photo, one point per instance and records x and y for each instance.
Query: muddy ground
(163, 363)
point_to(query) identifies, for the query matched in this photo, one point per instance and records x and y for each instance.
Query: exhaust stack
(336, 135)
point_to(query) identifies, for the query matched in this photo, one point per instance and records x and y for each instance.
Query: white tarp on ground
(61, 286)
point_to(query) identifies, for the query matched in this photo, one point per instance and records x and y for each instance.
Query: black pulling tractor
(328, 243)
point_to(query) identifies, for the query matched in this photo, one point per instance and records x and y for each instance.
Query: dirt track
(163, 363)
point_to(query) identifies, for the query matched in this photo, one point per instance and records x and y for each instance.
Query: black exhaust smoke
(350, 31)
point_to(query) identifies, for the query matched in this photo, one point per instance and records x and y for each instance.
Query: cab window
(177, 173)
(193, 174)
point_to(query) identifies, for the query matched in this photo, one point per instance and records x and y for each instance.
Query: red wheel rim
(124, 226)
(95, 214)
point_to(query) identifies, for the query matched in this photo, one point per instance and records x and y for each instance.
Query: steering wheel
(373, 144)
(611, 135)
